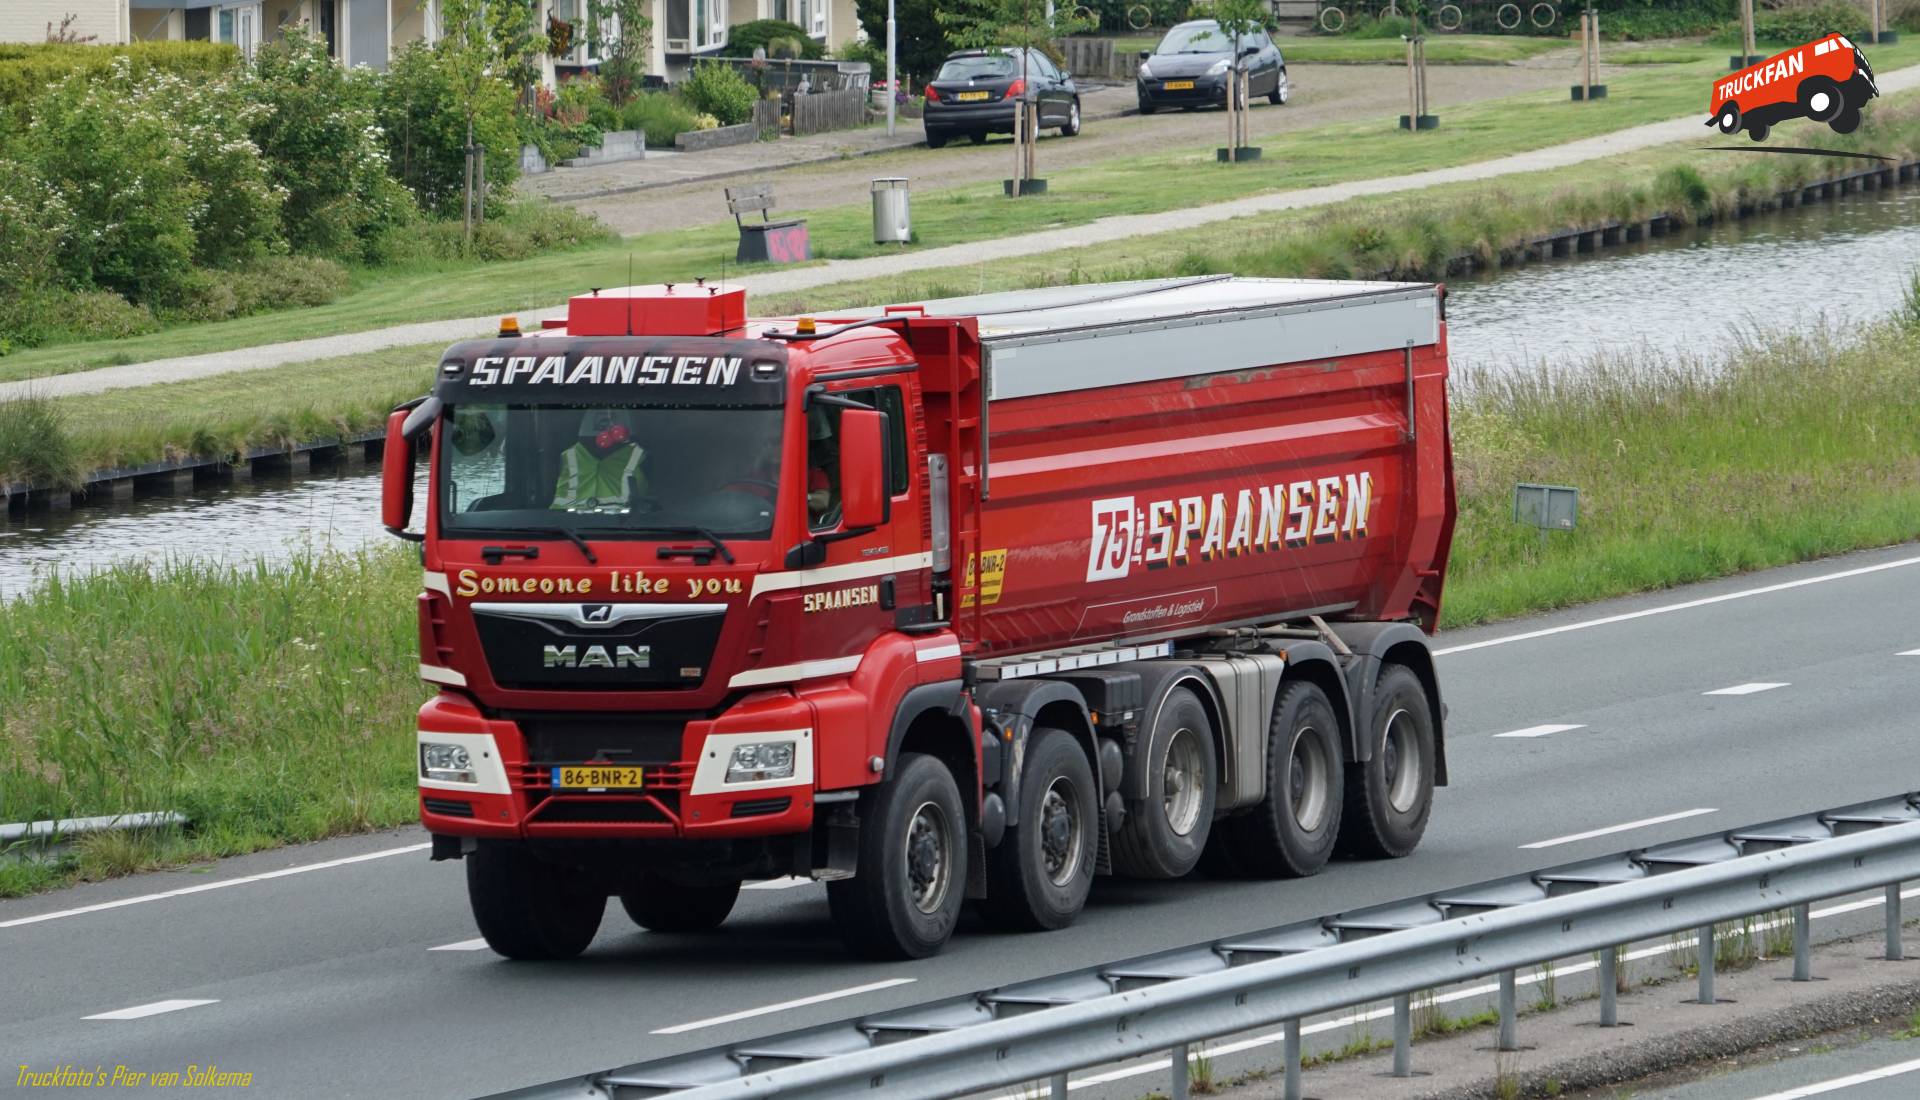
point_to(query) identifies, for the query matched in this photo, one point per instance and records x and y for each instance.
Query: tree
(1238, 19)
(1033, 24)
(621, 34)
(920, 37)
(481, 44)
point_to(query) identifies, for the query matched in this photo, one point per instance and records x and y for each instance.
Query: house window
(817, 18)
(238, 25)
(586, 38)
(714, 20)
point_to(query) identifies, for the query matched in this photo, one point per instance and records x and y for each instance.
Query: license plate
(1179, 85)
(973, 97)
(597, 777)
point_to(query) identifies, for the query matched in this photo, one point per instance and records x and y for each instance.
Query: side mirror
(1249, 51)
(863, 469)
(396, 481)
(1145, 54)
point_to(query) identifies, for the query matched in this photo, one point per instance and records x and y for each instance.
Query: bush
(920, 39)
(663, 115)
(277, 282)
(426, 131)
(524, 228)
(34, 227)
(744, 38)
(719, 90)
(1793, 26)
(35, 447)
(324, 147)
(28, 71)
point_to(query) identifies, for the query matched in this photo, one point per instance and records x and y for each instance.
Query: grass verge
(1135, 185)
(292, 721)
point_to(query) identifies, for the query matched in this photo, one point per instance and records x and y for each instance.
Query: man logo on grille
(596, 612)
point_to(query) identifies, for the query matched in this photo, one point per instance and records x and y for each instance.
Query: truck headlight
(761, 761)
(445, 763)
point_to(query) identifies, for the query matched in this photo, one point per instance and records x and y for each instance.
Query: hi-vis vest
(588, 481)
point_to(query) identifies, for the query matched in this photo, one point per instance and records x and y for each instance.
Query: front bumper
(1206, 91)
(513, 797)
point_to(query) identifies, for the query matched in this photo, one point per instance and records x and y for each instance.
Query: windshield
(995, 66)
(1194, 38)
(606, 471)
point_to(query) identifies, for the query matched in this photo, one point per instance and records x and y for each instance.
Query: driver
(601, 471)
(823, 469)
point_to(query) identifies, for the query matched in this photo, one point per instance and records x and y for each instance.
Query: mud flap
(976, 864)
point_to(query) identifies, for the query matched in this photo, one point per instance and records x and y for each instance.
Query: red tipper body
(1078, 476)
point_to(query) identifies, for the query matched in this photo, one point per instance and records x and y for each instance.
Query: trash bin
(892, 223)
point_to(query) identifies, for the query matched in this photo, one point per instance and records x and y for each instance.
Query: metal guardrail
(1050, 1027)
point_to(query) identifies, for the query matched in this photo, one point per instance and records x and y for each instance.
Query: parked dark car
(974, 92)
(1189, 68)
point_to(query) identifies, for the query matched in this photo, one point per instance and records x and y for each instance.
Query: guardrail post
(1894, 949)
(1610, 987)
(1704, 944)
(1057, 1087)
(1179, 1091)
(1802, 959)
(1403, 1035)
(1290, 1048)
(1509, 1009)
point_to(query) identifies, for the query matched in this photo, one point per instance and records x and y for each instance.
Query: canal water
(1839, 263)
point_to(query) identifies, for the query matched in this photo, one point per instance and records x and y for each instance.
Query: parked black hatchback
(974, 93)
(1189, 68)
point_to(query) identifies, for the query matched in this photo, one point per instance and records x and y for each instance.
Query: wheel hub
(1060, 833)
(927, 859)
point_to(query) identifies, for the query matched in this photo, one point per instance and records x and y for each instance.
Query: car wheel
(1072, 128)
(1282, 91)
(978, 137)
(935, 141)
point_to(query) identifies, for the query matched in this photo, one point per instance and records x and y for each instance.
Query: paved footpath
(959, 255)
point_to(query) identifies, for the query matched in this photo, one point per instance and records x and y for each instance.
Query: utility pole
(893, 80)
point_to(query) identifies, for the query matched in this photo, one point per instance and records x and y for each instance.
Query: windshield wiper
(693, 551)
(567, 533)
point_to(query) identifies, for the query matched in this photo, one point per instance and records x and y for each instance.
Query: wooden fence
(822, 111)
(766, 115)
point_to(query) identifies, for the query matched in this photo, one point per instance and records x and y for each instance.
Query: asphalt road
(1882, 1069)
(326, 982)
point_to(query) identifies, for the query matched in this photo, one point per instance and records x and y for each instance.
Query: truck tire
(1166, 833)
(528, 908)
(658, 904)
(1290, 832)
(905, 898)
(1039, 875)
(1820, 98)
(1847, 121)
(1389, 798)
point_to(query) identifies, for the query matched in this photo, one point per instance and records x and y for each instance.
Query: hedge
(28, 70)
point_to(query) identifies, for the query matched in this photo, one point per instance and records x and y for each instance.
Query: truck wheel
(1820, 98)
(1039, 876)
(658, 904)
(1728, 119)
(903, 902)
(1290, 832)
(1847, 121)
(528, 908)
(1389, 797)
(1758, 131)
(1165, 835)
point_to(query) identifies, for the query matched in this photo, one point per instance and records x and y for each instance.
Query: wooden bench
(766, 240)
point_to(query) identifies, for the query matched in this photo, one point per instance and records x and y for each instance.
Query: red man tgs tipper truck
(964, 599)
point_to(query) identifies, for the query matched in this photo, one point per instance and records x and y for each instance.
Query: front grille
(450, 807)
(621, 739)
(536, 646)
(761, 807)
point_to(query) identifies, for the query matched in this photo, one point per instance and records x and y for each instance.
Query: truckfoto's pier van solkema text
(961, 600)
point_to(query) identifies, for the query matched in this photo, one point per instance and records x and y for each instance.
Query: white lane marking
(1641, 824)
(1538, 731)
(141, 1011)
(1908, 653)
(817, 998)
(463, 945)
(1745, 689)
(221, 885)
(1684, 606)
(787, 883)
(1847, 1082)
(1338, 1022)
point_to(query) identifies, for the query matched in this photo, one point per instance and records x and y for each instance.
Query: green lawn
(1148, 183)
